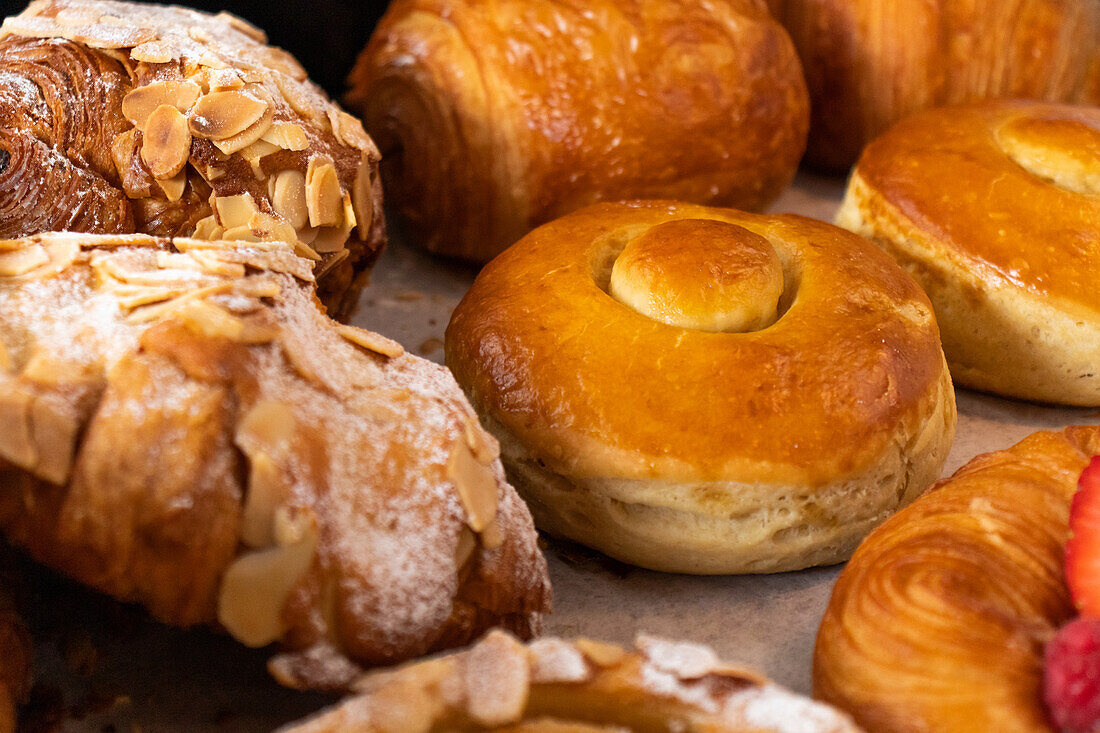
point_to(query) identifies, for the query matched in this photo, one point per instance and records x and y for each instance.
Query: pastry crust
(554, 686)
(939, 620)
(994, 209)
(871, 63)
(683, 450)
(122, 117)
(182, 426)
(497, 117)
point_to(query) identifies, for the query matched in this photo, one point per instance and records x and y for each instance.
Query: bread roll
(939, 620)
(497, 117)
(994, 209)
(181, 426)
(869, 63)
(702, 390)
(120, 117)
(583, 686)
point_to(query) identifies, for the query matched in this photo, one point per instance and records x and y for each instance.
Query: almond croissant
(181, 426)
(117, 117)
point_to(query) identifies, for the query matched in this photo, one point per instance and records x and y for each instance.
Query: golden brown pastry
(995, 210)
(119, 117)
(583, 686)
(939, 620)
(702, 390)
(497, 117)
(869, 63)
(181, 426)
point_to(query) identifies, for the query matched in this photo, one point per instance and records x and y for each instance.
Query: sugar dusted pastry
(182, 426)
(583, 686)
(994, 209)
(701, 390)
(870, 63)
(123, 117)
(495, 117)
(939, 621)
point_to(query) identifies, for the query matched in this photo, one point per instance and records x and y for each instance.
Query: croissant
(582, 686)
(870, 63)
(498, 117)
(120, 117)
(939, 620)
(181, 426)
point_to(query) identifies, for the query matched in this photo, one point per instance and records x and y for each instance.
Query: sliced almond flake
(348, 130)
(464, 547)
(135, 296)
(154, 52)
(497, 676)
(304, 250)
(256, 586)
(331, 263)
(186, 244)
(371, 341)
(199, 35)
(476, 485)
(492, 536)
(16, 442)
(323, 195)
(241, 234)
(221, 115)
(93, 35)
(255, 153)
(215, 266)
(234, 211)
(21, 261)
(158, 311)
(600, 653)
(686, 660)
(555, 661)
(289, 198)
(166, 143)
(208, 228)
(287, 136)
(135, 181)
(267, 489)
(362, 197)
(238, 142)
(242, 26)
(140, 103)
(485, 447)
(173, 187)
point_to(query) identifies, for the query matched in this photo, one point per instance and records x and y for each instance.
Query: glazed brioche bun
(995, 210)
(701, 390)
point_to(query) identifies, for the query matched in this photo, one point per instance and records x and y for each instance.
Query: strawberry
(1083, 548)
(1071, 677)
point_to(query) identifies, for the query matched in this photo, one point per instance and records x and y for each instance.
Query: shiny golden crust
(706, 452)
(871, 63)
(119, 117)
(970, 573)
(993, 208)
(181, 426)
(498, 117)
(553, 686)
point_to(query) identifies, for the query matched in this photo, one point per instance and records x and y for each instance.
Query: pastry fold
(939, 620)
(498, 117)
(182, 426)
(120, 117)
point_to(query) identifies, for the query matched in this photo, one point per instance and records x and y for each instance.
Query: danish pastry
(870, 63)
(583, 686)
(181, 426)
(939, 620)
(497, 117)
(120, 117)
(702, 390)
(994, 209)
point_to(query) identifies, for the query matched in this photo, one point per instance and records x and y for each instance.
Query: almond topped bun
(703, 390)
(582, 686)
(121, 117)
(995, 210)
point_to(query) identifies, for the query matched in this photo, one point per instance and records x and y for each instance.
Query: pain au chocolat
(495, 117)
(120, 117)
(702, 390)
(994, 209)
(182, 426)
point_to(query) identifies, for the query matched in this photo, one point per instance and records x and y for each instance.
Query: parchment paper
(132, 674)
